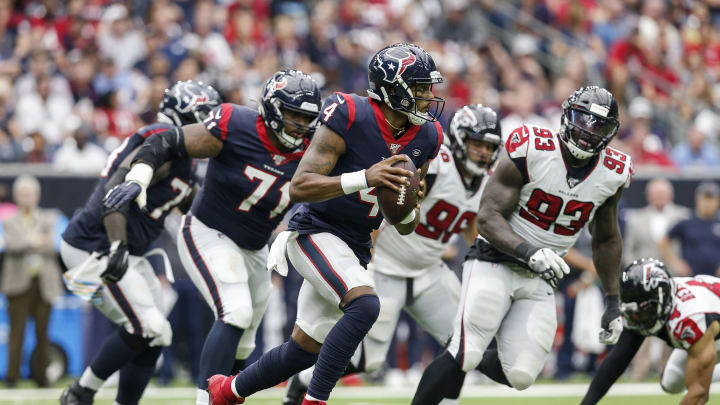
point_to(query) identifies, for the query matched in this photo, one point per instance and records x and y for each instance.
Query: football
(396, 206)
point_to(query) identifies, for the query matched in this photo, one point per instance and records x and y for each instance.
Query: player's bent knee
(238, 318)
(365, 309)
(520, 379)
(672, 381)
(470, 360)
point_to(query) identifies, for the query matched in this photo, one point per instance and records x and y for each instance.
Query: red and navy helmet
(295, 91)
(479, 123)
(589, 121)
(187, 102)
(394, 70)
(646, 295)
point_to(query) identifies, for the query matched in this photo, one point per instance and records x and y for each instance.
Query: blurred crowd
(78, 76)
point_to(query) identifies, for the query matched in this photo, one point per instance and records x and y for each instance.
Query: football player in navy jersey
(328, 241)
(223, 240)
(120, 281)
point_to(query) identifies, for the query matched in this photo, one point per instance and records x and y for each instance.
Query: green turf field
(634, 400)
(540, 394)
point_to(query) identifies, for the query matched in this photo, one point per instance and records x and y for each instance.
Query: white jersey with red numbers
(696, 305)
(448, 209)
(553, 206)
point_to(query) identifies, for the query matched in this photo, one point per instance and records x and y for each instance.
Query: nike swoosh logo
(341, 100)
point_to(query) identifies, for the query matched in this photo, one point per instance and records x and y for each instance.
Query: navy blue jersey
(86, 230)
(361, 123)
(247, 186)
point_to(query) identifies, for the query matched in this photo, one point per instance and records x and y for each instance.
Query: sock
(439, 380)
(119, 349)
(134, 377)
(238, 366)
(341, 343)
(218, 352)
(202, 397)
(491, 367)
(89, 380)
(306, 375)
(273, 367)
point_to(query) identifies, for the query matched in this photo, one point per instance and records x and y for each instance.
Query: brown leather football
(397, 206)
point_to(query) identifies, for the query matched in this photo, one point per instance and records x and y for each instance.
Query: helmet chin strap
(473, 168)
(289, 141)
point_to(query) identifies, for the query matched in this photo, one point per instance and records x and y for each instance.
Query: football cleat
(77, 395)
(220, 391)
(295, 391)
(313, 402)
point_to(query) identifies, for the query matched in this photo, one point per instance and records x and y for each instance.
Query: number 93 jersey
(448, 209)
(246, 191)
(696, 305)
(557, 201)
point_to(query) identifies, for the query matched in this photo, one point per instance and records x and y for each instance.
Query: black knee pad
(136, 342)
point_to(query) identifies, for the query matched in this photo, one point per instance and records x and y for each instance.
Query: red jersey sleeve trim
(351, 109)
(225, 114)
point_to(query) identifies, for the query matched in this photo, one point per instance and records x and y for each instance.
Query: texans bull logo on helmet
(191, 96)
(395, 63)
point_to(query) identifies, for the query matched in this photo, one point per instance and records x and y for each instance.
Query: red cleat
(309, 402)
(220, 390)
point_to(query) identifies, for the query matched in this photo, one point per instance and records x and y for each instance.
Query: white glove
(611, 325)
(549, 265)
(141, 174)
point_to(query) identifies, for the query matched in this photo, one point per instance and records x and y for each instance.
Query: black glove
(121, 194)
(117, 262)
(611, 324)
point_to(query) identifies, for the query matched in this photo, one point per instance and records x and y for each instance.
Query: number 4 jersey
(448, 209)
(557, 200)
(86, 230)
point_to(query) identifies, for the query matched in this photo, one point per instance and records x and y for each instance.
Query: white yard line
(374, 392)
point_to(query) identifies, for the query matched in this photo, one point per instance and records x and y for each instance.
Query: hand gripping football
(397, 206)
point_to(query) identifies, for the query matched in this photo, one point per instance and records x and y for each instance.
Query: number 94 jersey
(557, 201)
(448, 209)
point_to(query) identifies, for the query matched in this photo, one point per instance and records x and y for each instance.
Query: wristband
(409, 218)
(352, 182)
(525, 250)
(141, 173)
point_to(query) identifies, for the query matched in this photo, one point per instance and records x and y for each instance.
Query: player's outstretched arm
(193, 140)
(702, 357)
(312, 183)
(607, 254)
(613, 366)
(500, 198)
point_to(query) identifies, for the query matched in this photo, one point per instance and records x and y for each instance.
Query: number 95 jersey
(448, 209)
(557, 201)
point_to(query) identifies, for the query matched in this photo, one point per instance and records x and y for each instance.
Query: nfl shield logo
(279, 159)
(394, 148)
(572, 182)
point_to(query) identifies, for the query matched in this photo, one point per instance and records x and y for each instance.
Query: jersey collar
(272, 149)
(395, 145)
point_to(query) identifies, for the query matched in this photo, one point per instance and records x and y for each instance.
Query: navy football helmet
(589, 121)
(187, 102)
(394, 70)
(646, 296)
(479, 123)
(295, 91)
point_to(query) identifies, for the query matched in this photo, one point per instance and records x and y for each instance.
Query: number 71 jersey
(555, 206)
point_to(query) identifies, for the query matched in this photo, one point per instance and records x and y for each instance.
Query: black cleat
(295, 391)
(77, 395)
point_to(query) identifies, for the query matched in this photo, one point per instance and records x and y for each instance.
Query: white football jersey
(553, 208)
(696, 305)
(448, 209)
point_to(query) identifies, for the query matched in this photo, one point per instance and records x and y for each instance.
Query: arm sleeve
(338, 113)
(218, 120)
(517, 146)
(613, 366)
